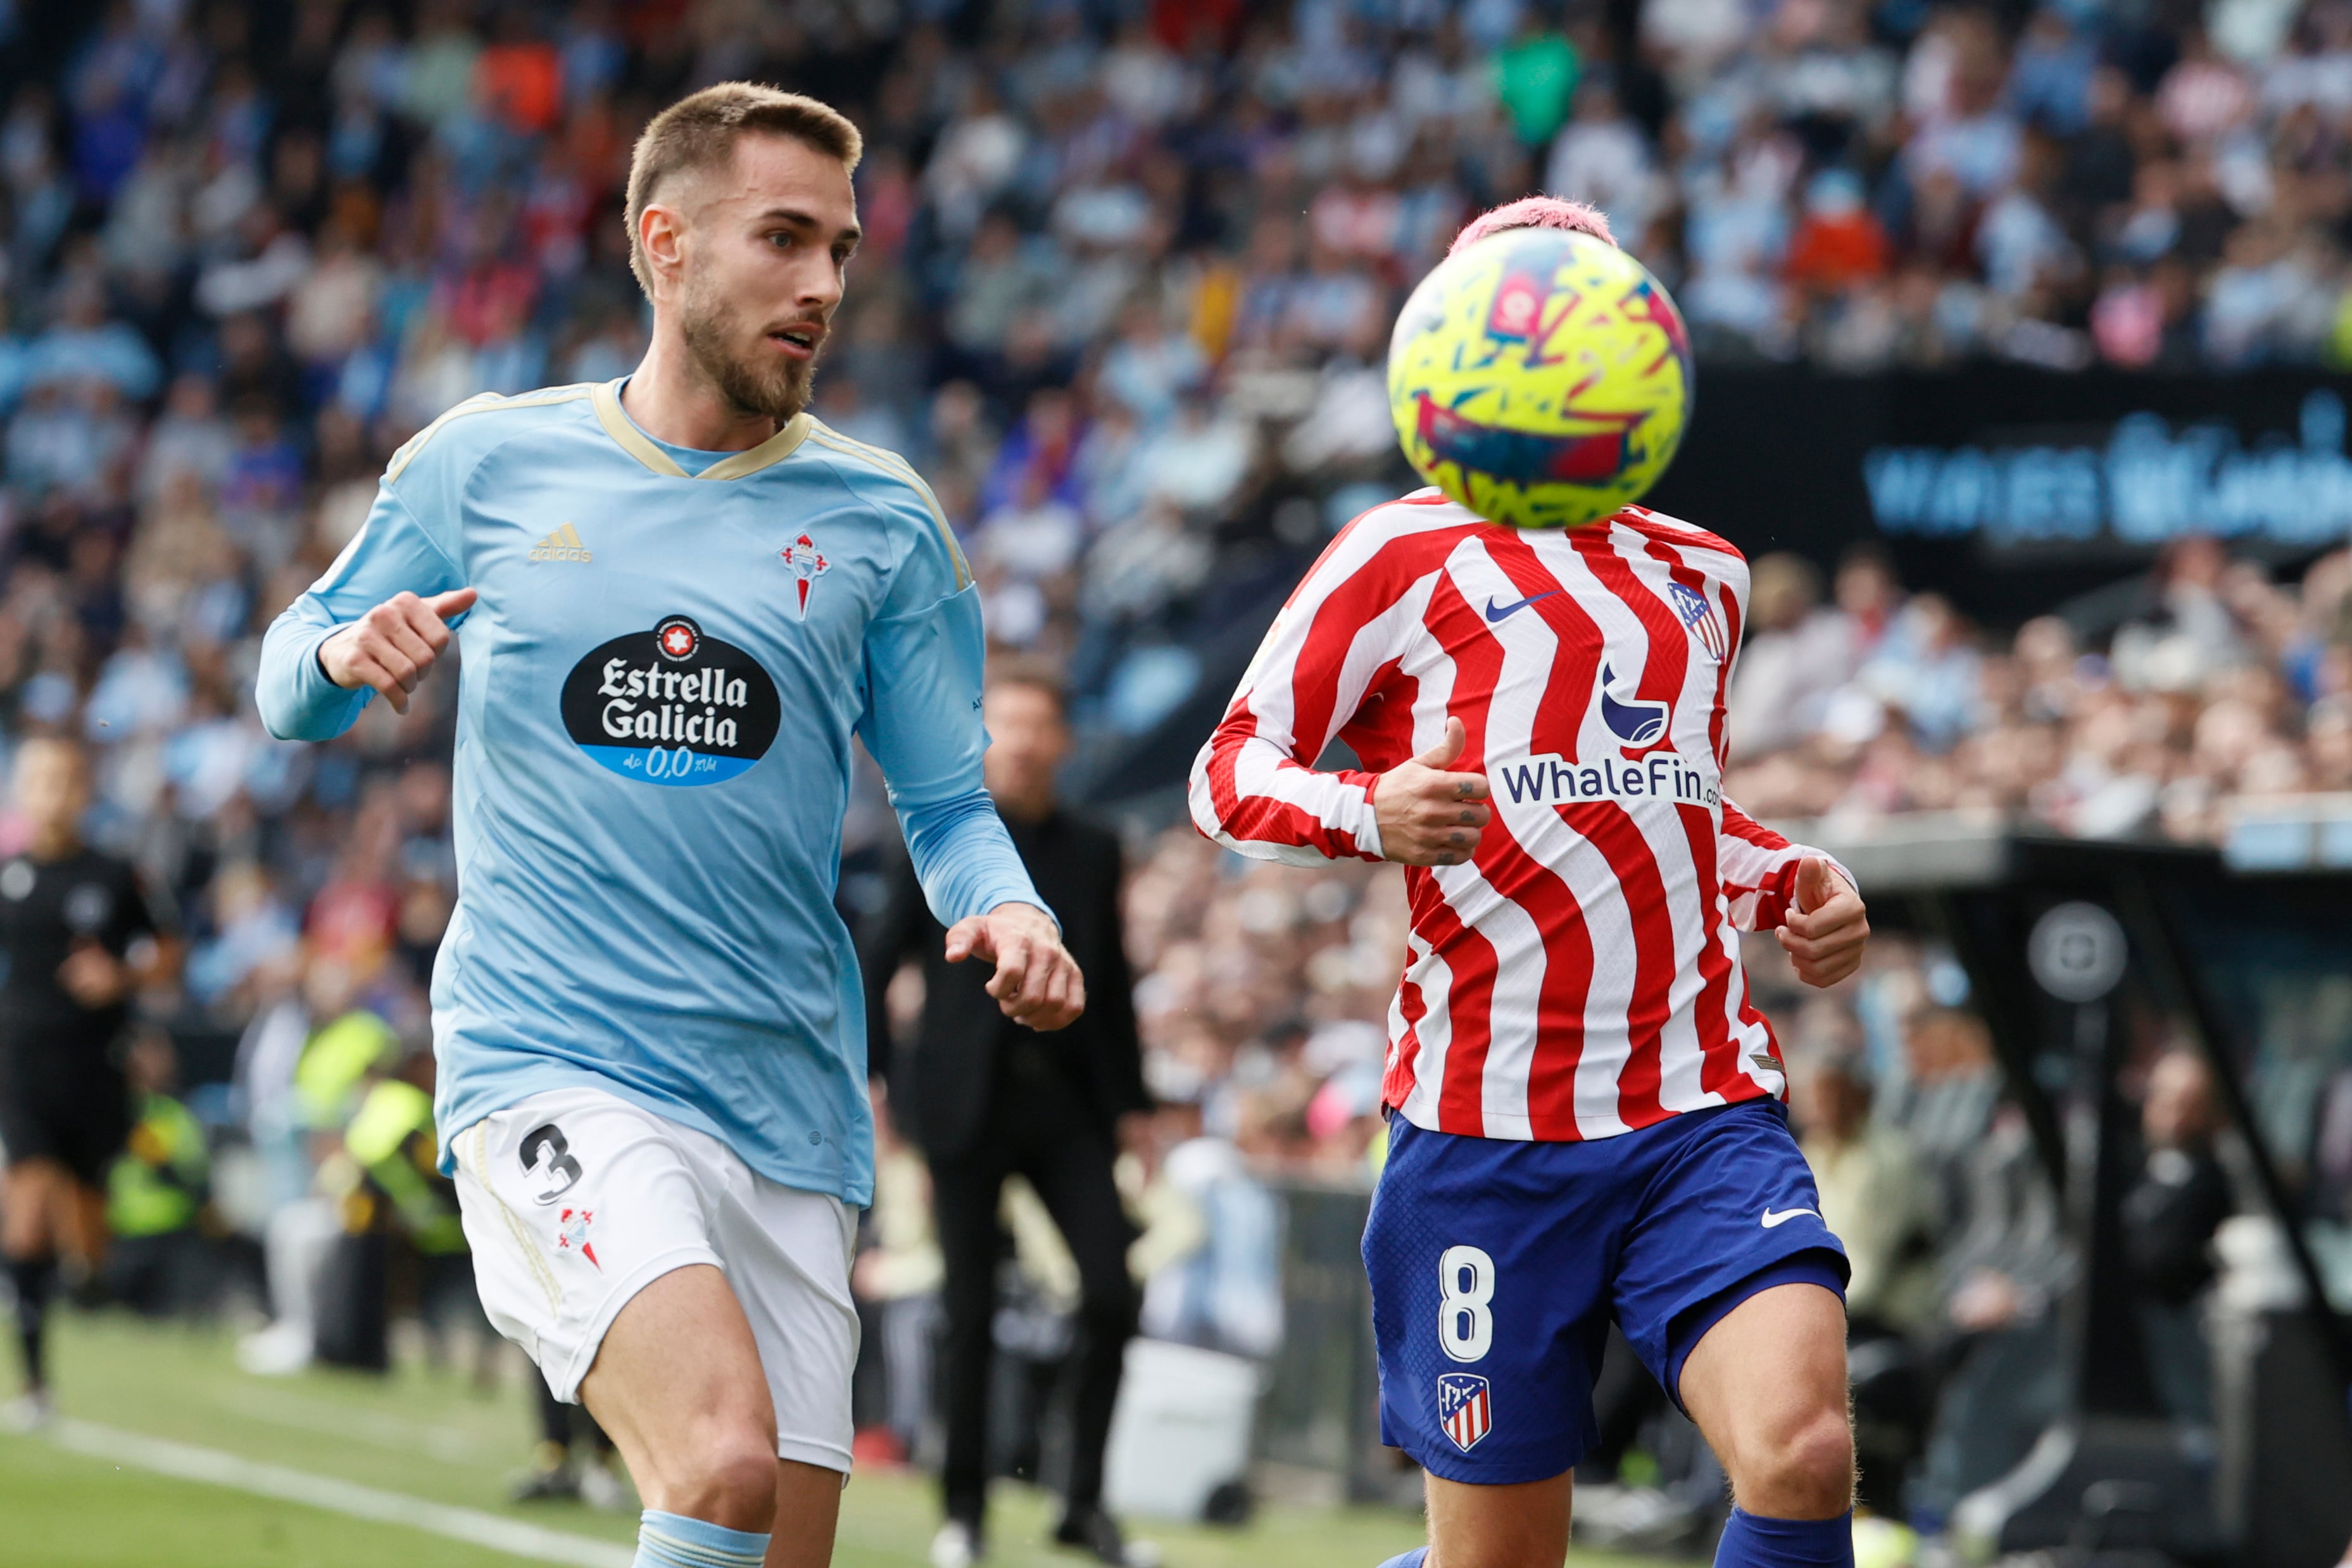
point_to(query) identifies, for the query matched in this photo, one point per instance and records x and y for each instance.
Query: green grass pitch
(427, 1435)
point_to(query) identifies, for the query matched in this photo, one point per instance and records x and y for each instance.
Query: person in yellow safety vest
(333, 1073)
(338, 1060)
(388, 1184)
(391, 1141)
(156, 1191)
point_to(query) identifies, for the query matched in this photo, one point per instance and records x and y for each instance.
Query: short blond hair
(701, 130)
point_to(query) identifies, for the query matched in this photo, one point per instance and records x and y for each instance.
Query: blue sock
(673, 1540)
(1750, 1542)
(1413, 1559)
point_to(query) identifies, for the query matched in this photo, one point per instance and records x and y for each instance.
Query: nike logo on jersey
(563, 544)
(1772, 1220)
(1495, 614)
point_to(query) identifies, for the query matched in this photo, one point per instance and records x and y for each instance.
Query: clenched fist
(1825, 932)
(391, 647)
(1428, 816)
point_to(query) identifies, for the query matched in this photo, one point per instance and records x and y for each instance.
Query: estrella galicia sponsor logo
(672, 705)
(1550, 780)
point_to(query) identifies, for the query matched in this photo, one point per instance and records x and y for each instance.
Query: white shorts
(575, 1200)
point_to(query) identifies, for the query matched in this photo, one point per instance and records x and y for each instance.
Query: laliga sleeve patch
(671, 705)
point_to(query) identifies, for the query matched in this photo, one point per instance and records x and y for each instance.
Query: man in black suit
(985, 1099)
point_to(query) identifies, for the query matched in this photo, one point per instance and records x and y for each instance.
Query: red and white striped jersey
(1579, 976)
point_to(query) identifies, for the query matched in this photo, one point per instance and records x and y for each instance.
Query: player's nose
(819, 286)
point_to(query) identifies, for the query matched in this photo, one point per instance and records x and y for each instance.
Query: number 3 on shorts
(1465, 1284)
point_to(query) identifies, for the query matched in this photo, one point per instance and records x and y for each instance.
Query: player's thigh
(677, 1385)
(1520, 1526)
(574, 1202)
(1729, 1201)
(788, 1254)
(1729, 1250)
(1767, 1385)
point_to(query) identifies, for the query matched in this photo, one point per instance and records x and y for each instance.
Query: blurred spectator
(1535, 76)
(1873, 1195)
(387, 1188)
(1948, 1095)
(303, 1117)
(156, 1191)
(898, 1277)
(1209, 1254)
(1792, 655)
(2004, 1264)
(2170, 1214)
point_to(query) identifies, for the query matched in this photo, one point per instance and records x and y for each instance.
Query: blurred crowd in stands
(2218, 685)
(1123, 298)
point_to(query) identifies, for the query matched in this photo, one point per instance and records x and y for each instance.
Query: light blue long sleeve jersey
(660, 681)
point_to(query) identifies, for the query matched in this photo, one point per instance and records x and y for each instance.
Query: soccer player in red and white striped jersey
(1586, 1107)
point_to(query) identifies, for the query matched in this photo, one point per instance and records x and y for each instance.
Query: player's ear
(661, 235)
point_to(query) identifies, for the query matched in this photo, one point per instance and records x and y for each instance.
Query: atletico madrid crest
(1464, 1408)
(807, 565)
(1699, 619)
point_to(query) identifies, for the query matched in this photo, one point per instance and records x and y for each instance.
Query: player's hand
(391, 647)
(1429, 816)
(94, 977)
(1825, 934)
(1037, 982)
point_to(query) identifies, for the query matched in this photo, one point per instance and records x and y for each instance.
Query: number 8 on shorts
(1466, 1284)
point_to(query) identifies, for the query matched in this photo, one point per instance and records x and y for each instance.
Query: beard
(749, 374)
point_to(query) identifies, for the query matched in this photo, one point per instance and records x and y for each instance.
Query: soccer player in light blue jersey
(681, 595)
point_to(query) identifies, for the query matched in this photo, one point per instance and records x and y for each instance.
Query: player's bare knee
(729, 1477)
(1803, 1469)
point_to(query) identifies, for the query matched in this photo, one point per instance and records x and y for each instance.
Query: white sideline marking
(395, 1433)
(187, 1462)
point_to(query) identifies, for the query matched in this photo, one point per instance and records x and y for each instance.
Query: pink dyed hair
(1535, 213)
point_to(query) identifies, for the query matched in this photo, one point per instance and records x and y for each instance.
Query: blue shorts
(1496, 1266)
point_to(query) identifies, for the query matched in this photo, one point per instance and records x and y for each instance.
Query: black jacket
(941, 1084)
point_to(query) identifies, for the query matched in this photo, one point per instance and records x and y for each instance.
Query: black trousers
(1036, 1127)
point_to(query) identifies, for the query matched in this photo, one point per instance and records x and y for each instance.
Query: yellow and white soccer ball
(1541, 378)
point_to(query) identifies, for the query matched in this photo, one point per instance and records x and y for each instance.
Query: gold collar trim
(641, 446)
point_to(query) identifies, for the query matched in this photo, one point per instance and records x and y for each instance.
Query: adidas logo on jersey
(563, 544)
